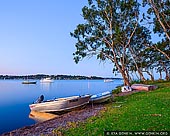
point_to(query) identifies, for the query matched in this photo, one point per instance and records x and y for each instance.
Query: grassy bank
(142, 111)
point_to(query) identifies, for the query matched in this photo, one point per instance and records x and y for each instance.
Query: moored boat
(60, 104)
(46, 80)
(29, 82)
(108, 80)
(101, 97)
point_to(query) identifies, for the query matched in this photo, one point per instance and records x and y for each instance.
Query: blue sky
(35, 39)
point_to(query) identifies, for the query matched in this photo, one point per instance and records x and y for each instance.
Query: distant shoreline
(55, 77)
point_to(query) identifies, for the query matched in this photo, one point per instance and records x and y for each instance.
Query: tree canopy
(112, 31)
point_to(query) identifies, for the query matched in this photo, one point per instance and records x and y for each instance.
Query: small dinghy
(143, 87)
(60, 104)
(101, 97)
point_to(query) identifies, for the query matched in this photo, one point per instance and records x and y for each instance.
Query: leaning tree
(109, 32)
(158, 15)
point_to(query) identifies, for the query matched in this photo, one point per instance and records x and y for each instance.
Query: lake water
(15, 97)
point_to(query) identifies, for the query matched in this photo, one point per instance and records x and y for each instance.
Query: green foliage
(106, 22)
(164, 12)
(117, 90)
(111, 32)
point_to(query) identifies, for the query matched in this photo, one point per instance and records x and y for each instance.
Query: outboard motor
(40, 99)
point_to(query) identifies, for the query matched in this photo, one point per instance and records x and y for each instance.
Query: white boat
(108, 80)
(101, 97)
(46, 80)
(60, 104)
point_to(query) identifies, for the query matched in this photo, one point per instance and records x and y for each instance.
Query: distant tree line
(121, 31)
(55, 77)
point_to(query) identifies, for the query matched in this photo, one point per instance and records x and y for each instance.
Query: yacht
(46, 80)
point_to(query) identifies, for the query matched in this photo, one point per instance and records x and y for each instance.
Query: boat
(46, 80)
(29, 82)
(108, 80)
(41, 116)
(143, 87)
(101, 97)
(60, 104)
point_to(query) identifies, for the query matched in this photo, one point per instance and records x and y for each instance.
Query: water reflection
(41, 116)
(46, 86)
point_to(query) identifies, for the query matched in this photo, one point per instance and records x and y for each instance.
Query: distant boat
(60, 104)
(46, 80)
(101, 97)
(108, 80)
(29, 82)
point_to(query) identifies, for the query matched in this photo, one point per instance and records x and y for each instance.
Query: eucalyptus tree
(162, 62)
(165, 68)
(158, 14)
(108, 32)
(139, 52)
(149, 61)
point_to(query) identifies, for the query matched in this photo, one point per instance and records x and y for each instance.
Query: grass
(142, 111)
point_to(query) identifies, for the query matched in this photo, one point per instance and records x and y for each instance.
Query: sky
(35, 39)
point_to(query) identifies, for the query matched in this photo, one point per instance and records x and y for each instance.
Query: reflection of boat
(101, 97)
(29, 82)
(41, 116)
(46, 86)
(60, 104)
(46, 80)
(108, 80)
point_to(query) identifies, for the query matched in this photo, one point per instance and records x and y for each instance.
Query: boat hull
(101, 97)
(108, 80)
(143, 87)
(29, 82)
(46, 80)
(61, 104)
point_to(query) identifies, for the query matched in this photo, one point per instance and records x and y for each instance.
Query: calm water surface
(15, 97)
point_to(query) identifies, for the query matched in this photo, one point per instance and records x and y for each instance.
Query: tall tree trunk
(151, 75)
(125, 79)
(166, 71)
(121, 70)
(167, 74)
(141, 75)
(160, 75)
(128, 75)
(138, 69)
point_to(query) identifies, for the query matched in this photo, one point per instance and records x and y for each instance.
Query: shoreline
(63, 121)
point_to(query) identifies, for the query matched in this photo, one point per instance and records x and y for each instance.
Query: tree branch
(158, 17)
